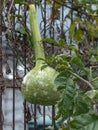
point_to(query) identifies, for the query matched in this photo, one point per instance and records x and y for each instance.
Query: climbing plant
(72, 35)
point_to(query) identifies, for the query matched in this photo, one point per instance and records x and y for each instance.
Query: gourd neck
(36, 37)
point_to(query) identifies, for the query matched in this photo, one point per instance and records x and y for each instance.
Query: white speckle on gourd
(45, 92)
(35, 94)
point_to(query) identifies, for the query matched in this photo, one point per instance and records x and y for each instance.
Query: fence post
(1, 74)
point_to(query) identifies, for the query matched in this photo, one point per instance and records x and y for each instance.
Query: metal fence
(15, 112)
(16, 58)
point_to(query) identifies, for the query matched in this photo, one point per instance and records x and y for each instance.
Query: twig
(76, 8)
(11, 6)
(9, 23)
(79, 77)
(94, 79)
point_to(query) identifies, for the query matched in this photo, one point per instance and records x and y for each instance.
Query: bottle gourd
(38, 84)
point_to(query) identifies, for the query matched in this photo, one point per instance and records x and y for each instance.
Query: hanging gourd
(38, 85)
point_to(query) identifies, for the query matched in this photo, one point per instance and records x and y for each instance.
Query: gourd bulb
(39, 88)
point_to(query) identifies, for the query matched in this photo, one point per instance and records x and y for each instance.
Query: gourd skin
(39, 88)
(38, 85)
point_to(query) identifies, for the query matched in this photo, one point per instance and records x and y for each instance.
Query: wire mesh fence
(15, 54)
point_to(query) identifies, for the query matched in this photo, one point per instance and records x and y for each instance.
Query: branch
(85, 81)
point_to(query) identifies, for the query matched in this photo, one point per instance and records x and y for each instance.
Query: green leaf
(18, 16)
(91, 30)
(92, 94)
(72, 29)
(21, 30)
(21, 2)
(77, 61)
(72, 102)
(75, 49)
(17, 1)
(66, 104)
(44, 66)
(62, 43)
(84, 122)
(50, 40)
(61, 80)
(95, 84)
(81, 105)
(93, 59)
(79, 35)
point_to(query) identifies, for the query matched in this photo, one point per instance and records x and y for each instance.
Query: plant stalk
(36, 37)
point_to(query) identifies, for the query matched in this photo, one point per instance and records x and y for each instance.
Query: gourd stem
(36, 37)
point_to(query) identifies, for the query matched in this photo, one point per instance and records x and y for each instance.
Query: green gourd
(38, 84)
